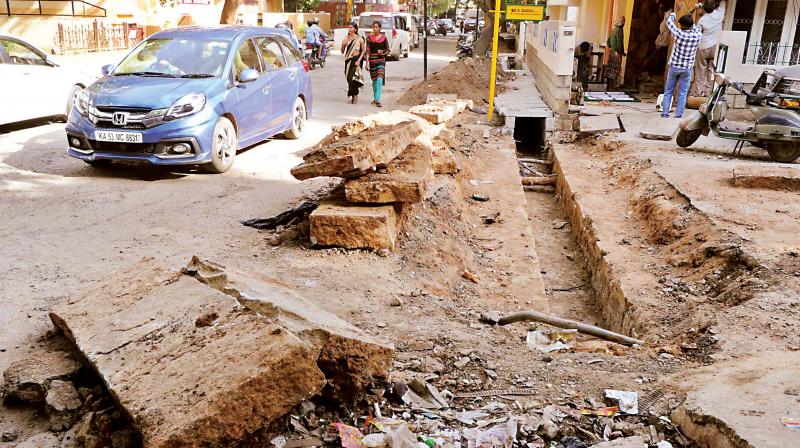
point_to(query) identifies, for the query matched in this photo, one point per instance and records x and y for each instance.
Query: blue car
(193, 96)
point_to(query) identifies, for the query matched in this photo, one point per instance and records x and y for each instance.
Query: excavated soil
(467, 78)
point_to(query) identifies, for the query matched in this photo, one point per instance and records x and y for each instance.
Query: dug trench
(616, 246)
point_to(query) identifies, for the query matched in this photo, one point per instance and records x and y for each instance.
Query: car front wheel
(224, 145)
(298, 119)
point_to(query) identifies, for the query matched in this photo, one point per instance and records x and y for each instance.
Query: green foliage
(308, 5)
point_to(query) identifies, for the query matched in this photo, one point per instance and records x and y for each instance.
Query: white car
(413, 26)
(392, 26)
(34, 84)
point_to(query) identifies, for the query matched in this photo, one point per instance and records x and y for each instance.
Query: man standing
(616, 43)
(711, 25)
(687, 38)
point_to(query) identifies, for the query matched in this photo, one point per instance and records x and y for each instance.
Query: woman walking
(353, 49)
(377, 50)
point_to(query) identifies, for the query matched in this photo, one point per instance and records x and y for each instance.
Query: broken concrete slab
(434, 113)
(28, 380)
(768, 177)
(599, 124)
(189, 385)
(443, 161)
(63, 405)
(405, 179)
(354, 226)
(740, 402)
(358, 154)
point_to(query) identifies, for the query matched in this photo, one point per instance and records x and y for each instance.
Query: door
(281, 79)
(294, 65)
(255, 106)
(29, 83)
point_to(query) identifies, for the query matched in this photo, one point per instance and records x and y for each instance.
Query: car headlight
(185, 106)
(82, 102)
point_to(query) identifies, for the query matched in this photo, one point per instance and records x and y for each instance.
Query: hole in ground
(530, 133)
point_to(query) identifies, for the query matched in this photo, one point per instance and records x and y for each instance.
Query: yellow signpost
(534, 13)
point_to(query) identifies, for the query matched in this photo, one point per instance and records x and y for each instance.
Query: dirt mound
(467, 78)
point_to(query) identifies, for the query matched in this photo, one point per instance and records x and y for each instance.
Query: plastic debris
(377, 440)
(402, 437)
(549, 341)
(791, 422)
(502, 435)
(628, 401)
(663, 444)
(278, 442)
(470, 417)
(571, 442)
(351, 437)
(608, 411)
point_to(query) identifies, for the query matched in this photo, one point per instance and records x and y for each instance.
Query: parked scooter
(775, 107)
(465, 46)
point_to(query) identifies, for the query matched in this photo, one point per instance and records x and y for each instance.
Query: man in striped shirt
(687, 39)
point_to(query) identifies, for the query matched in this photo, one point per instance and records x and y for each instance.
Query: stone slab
(190, 364)
(354, 226)
(767, 176)
(434, 113)
(740, 402)
(443, 161)
(357, 154)
(405, 179)
(599, 124)
(29, 379)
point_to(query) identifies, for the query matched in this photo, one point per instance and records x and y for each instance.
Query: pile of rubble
(387, 161)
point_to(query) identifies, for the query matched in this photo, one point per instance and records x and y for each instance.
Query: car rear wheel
(73, 96)
(224, 145)
(784, 152)
(298, 119)
(405, 54)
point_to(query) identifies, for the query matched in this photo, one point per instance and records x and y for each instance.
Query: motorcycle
(775, 107)
(465, 46)
(313, 56)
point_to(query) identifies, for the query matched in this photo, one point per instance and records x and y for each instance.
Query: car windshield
(173, 57)
(365, 22)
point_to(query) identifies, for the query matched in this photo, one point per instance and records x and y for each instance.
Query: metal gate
(94, 36)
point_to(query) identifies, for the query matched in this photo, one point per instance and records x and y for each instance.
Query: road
(65, 224)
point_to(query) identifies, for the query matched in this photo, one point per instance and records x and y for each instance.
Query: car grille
(127, 148)
(110, 124)
(130, 110)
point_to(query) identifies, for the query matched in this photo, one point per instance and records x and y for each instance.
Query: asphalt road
(64, 224)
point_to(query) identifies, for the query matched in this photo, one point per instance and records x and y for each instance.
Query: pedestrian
(711, 25)
(615, 43)
(353, 49)
(684, 52)
(583, 53)
(377, 51)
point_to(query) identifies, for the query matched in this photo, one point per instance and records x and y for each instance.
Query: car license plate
(118, 137)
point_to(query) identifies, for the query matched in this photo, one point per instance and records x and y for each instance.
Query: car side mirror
(107, 69)
(248, 75)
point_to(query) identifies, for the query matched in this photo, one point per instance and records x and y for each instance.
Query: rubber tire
(299, 117)
(219, 165)
(405, 55)
(322, 63)
(73, 93)
(686, 138)
(783, 152)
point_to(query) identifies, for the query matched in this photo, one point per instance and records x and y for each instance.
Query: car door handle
(293, 74)
(265, 90)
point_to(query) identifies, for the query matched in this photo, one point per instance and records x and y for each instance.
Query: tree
(484, 41)
(229, 10)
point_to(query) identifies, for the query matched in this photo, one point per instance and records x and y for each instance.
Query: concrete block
(192, 365)
(354, 155)
(771, 177)
(405, 179)
(436, 114)
(441, 96)
(599, 124)
(354, 226)
(29, 379)
(444, 161)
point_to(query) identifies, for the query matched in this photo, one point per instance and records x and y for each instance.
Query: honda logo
(120, 119)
